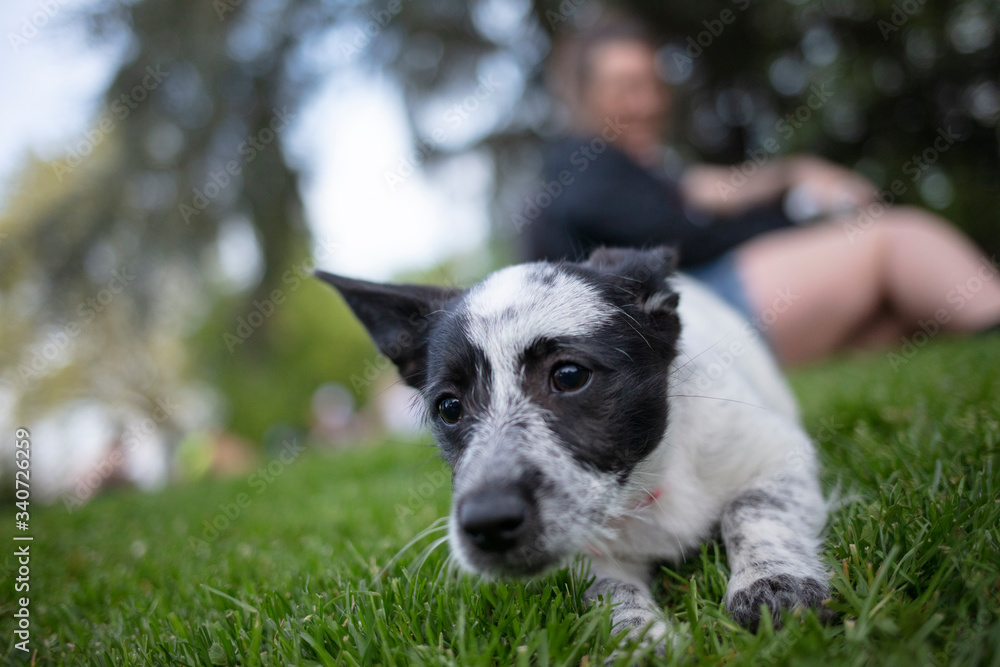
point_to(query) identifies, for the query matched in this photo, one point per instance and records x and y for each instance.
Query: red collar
(649, 498)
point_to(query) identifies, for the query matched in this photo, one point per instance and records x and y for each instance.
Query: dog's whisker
(438, 580)
(415, 404)
(720, 398)
(627, 355)
(645, 474)
(604, 548)
(443, 571)
(418, 564)
(452, 570)
(436, 526)
(629, 317)
(690, 360)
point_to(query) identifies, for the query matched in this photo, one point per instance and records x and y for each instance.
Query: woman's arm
(613, 201)
(727, 191)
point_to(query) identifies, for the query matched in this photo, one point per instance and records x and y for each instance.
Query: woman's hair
(571, 61)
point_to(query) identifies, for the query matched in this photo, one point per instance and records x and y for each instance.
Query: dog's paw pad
(780, 591)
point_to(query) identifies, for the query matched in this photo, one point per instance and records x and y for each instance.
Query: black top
(588, 199)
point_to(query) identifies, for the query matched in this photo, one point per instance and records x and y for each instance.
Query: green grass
(295, 577)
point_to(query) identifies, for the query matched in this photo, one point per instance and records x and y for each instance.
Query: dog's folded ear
(397, 317)
(638, 276)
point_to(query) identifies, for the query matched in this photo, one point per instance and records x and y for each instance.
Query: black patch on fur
(399, 318)
(757, 501)
(779, 591)
(620, 417)
(544, 278)
(456, 367)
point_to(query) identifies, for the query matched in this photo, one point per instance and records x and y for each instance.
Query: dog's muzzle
(494, 521)
(499, 531)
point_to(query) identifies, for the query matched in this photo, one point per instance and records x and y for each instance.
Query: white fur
(514, 307)
(733, 426)
(732, 429)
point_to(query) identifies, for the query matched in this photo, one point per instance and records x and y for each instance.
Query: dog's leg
(771, 531)
(625, 587)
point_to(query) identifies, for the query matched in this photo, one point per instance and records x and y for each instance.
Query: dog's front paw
(633, 613)
(645, 631)
(778, 591)
(647, 634)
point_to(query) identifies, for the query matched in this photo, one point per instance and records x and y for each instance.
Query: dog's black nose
(493, 520)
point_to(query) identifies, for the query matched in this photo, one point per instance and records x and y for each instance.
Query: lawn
(311, 564)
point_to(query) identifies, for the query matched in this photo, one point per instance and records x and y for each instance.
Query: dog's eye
(450, 409)
(569, 377)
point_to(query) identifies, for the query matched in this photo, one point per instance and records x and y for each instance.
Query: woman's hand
(729, 191)
(815, 187)
(818, 188)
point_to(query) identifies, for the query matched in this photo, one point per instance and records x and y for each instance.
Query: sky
(362, 193)
(349, 136)
(50, 80)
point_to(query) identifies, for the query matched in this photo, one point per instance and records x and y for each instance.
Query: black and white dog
(612, 409)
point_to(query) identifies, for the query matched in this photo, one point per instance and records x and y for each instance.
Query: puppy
(612, 409)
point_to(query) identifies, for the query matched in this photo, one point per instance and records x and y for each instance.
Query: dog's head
(545, 386)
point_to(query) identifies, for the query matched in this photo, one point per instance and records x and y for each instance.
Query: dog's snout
(493, 520)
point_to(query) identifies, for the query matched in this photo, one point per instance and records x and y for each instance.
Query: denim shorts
(723, 277)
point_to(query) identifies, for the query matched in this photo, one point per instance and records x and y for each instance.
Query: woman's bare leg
(883, 330)
(911, 266)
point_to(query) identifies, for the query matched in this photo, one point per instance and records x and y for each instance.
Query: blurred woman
(864, 275)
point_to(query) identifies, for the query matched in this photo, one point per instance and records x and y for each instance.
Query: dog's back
(726, 355)
(732, 416)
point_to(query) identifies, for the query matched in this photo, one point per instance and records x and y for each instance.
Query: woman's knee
(907, 222)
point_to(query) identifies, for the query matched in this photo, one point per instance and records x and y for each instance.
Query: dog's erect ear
(638, 276)
(397, 318)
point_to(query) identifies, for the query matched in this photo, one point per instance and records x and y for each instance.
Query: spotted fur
(682, 398)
